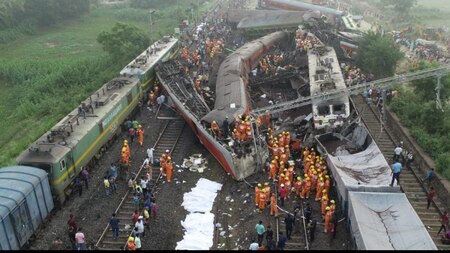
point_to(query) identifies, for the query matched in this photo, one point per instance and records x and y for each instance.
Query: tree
(378, 55)
(124, 41)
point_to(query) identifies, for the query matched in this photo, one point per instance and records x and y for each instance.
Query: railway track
(299, 236)
(410, 183)
(167, 139)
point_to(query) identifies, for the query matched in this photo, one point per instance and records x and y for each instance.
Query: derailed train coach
(378, 216)
(25, 202)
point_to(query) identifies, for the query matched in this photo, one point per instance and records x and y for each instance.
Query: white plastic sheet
(199, 223)
(386, 221)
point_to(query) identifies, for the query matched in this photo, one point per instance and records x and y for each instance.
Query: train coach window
(338, 109)
(324, 110)
(63, 165)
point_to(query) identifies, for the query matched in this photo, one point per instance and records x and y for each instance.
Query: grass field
(34, 71)
(433, 12)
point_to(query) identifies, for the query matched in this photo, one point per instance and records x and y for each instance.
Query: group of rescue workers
(288, 180)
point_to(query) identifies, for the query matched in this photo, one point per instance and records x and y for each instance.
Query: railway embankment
(422, 160)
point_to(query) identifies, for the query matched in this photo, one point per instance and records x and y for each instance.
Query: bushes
(428, 125)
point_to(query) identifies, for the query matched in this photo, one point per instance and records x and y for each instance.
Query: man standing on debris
(260, 230)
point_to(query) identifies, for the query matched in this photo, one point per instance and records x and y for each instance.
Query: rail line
(297, 242)
(167, 139)
(410, 182)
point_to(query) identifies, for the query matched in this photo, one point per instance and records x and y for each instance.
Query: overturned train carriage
(232, 99)
(83, 134)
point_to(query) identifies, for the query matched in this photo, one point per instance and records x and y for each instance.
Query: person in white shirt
(140, 226)
(150, 154)
(397, 153)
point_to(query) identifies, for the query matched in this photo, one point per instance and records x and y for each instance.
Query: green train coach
(81, 137)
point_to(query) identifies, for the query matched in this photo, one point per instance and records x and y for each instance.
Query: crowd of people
(294, 174)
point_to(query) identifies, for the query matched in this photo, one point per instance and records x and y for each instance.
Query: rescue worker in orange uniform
(162, 163)
(327, 183)
(284, 157)
(272, 170)
(305, 153)
(332, 206)
(328, 219)
(140, 133)
(320, 187)
(262, 200)
(236, 135)
(169, 169)
(280, 181)
(273, 205)
(267, 191)
(215, 129)
(124, 157)
(296, 145)
(323, 205)
(281, 167)
(257, 192)
(287, 138)
(248, 133)
(306, 189)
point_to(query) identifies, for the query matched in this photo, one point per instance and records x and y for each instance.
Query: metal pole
(151, 24)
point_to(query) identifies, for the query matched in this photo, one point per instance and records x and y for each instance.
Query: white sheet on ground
(386, 221)
(199, 223)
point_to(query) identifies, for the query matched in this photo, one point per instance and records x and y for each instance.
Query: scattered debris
(195, 163)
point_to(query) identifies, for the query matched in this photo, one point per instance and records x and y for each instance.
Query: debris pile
(195, 163)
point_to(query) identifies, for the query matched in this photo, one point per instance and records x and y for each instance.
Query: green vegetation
(46, 73)
(18, 17)
(124, 41)
(430, 126)
(378, 55)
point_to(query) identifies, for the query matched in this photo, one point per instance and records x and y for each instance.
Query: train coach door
(21, 221)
